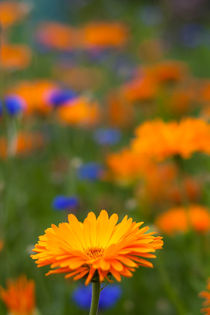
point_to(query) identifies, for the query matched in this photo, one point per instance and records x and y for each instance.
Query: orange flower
(120, 113)
(58, 36)
(15, 57)
(125, 166)
(12, 12)
(25, 143)
(104, 34)
(19, 296)
(159, 140)
(98, 245)
(181, 100)
(167, 71)
(1, 244)
(206, 296)
(80, 111)
(35, 94)
(140, 89)
(181, 219)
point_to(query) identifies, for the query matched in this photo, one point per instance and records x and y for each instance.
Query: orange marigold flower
(15, 57)
(102, 34)
(1, 244)
(11, 12)
(19, 296)
(80, 111)
(167, 71)
(58, 36)
(35, 94)
(125, 166)
(140, 89)
(206, 296)
(98, 245)
(119, 112)
(181, 219)
(159, 140)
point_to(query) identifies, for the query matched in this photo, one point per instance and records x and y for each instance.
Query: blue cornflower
(60, 97)
(14, 104)
(107, 136)
(108, 297)
(192, 35)
(90, 171)
(65, 203)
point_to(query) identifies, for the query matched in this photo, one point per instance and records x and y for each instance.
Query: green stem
(170, 291)
(95, 297)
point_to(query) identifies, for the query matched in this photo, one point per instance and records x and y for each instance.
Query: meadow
(105, 105)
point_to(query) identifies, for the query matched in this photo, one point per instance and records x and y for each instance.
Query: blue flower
(192, 35)
(60, 97)
(65, 203)
(14, 105)
(108, 297)
(90, 171)
(107, 136)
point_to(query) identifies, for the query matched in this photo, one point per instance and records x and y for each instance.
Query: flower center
(95, 252)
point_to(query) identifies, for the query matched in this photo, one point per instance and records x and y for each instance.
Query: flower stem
(95, 297)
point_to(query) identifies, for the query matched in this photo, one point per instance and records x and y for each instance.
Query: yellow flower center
(95, 252)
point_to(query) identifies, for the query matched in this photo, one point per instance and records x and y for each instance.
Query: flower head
(65, 203)
(60, 97)
(90, 171)
(15, 57)
(181, 219)
(107, 136)
(14, 104)
(108, 297)
(19, 296)
(159, 140)
(97, 246)
(206, 296)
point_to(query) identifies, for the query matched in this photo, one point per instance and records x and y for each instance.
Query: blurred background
(77, 77)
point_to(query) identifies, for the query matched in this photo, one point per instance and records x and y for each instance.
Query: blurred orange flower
(167, 71)
(104, 34)
(19, 296)
(35, 94)
(159, 140)
(12, 12)
(58, 36)
(120, 113)
(98, 245)
(1, 245)
(15, 57)
(206, 296)
(140, 89)
(125, 166)
(80, 111)
(181, 219)
(24, 143)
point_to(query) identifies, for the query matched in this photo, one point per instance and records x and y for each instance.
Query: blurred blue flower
(60, 97)
(108, 297)
(65, 203)
(90, 171)
(1, 109)
(192, 35)
(14, 105)
(107, 136)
